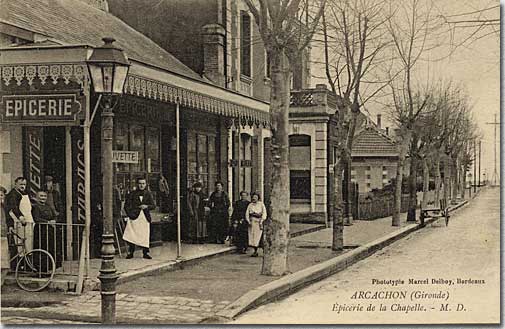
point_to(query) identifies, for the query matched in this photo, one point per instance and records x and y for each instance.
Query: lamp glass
(97, 78)
(119, 79)
(108, 78)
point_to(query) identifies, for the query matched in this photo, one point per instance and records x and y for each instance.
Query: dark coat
(12, 200)
(133, 203)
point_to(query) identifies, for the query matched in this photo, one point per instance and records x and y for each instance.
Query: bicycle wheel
(35, 270)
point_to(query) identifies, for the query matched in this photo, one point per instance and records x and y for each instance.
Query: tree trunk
(455, 181)
(426, 182)
(338, 219)
(463, 182)
(438, 180)
(276, 234)
(399, 178)
(447, 179)
(414, 160)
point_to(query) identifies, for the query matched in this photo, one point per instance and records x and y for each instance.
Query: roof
(371, 142)
(76, 22)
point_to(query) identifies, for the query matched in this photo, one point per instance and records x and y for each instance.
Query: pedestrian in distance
(18, 208)
(53, 196)
(256, 214)
(240, 225)
(196, 208)
(219, 205)
(138, 207)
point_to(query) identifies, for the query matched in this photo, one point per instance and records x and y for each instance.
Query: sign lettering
(40, 108)
(125, 156)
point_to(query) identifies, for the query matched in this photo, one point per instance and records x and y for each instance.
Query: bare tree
(354, 39)
(286, 28)
(410, 29)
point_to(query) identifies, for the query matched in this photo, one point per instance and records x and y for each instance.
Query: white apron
(25, 206)
(137, 231)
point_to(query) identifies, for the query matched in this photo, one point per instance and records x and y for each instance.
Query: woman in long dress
(219, 205)
(256, 214)
(197, 222)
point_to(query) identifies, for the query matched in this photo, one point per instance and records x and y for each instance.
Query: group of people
(32, 219)
(246, 225)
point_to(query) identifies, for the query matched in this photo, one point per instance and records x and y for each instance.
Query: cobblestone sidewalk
(130, 309)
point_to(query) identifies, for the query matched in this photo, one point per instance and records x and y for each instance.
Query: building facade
(50, 116)
(219, 40)
(374, 159)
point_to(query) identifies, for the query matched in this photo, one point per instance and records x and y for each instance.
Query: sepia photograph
(250, 162)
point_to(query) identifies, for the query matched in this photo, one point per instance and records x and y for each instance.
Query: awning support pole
(68, 191)
(178, 179)
(84, 252)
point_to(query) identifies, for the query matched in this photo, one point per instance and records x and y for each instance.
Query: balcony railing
(319, 96)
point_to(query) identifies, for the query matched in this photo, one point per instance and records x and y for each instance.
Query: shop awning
(63, 65)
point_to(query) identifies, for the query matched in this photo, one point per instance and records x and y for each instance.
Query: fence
(63, 241)
(379, 206)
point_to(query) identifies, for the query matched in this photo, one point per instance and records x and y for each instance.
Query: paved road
(468, 249)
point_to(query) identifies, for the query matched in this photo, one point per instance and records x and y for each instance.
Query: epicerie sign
(39, 108)
(125, 156)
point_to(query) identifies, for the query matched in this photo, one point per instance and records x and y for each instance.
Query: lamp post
(108, 67)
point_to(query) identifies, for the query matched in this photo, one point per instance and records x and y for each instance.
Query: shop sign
(125, 157)
(45, 108)
(33, 158)
(78, 176)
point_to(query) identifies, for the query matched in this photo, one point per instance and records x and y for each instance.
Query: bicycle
(34, 269)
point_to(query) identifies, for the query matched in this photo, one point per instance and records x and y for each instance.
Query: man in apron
(138, 208)
(19, 212)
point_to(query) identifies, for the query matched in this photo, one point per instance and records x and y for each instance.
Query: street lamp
(108, 67)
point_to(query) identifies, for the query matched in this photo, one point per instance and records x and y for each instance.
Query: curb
(293, 282)
(307, 231)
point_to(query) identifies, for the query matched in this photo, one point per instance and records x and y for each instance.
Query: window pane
(245, 44)
(299, 157)
(192, 164)
(121, 143)
(137, 144)
(153, 150)
(299, 184)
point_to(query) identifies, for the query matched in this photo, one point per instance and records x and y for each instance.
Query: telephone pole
(494, 178)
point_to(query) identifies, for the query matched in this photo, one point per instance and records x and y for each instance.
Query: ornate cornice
(45, 73)
(11, 75)
(148, 88)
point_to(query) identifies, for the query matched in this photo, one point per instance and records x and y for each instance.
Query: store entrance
(54, 160)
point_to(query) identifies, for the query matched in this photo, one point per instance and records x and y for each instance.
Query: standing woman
(256, 214)
(238, 218)
(219, 205)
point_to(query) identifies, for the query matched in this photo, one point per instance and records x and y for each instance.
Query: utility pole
(474, 167)
(494, 178)
(480, 146)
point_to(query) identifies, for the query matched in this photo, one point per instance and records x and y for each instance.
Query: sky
(476, 65)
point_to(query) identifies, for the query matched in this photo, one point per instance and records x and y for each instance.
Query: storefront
(50, 125)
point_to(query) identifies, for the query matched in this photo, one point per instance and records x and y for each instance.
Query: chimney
(213, 53)
(379, 121)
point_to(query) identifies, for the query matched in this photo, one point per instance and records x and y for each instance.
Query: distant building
(374, 158)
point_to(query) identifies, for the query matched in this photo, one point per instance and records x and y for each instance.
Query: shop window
(146, 141)
(246, 163)
(153, 150)
(245, 44)
(299, 165)
(137, 139)
(202, 164)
